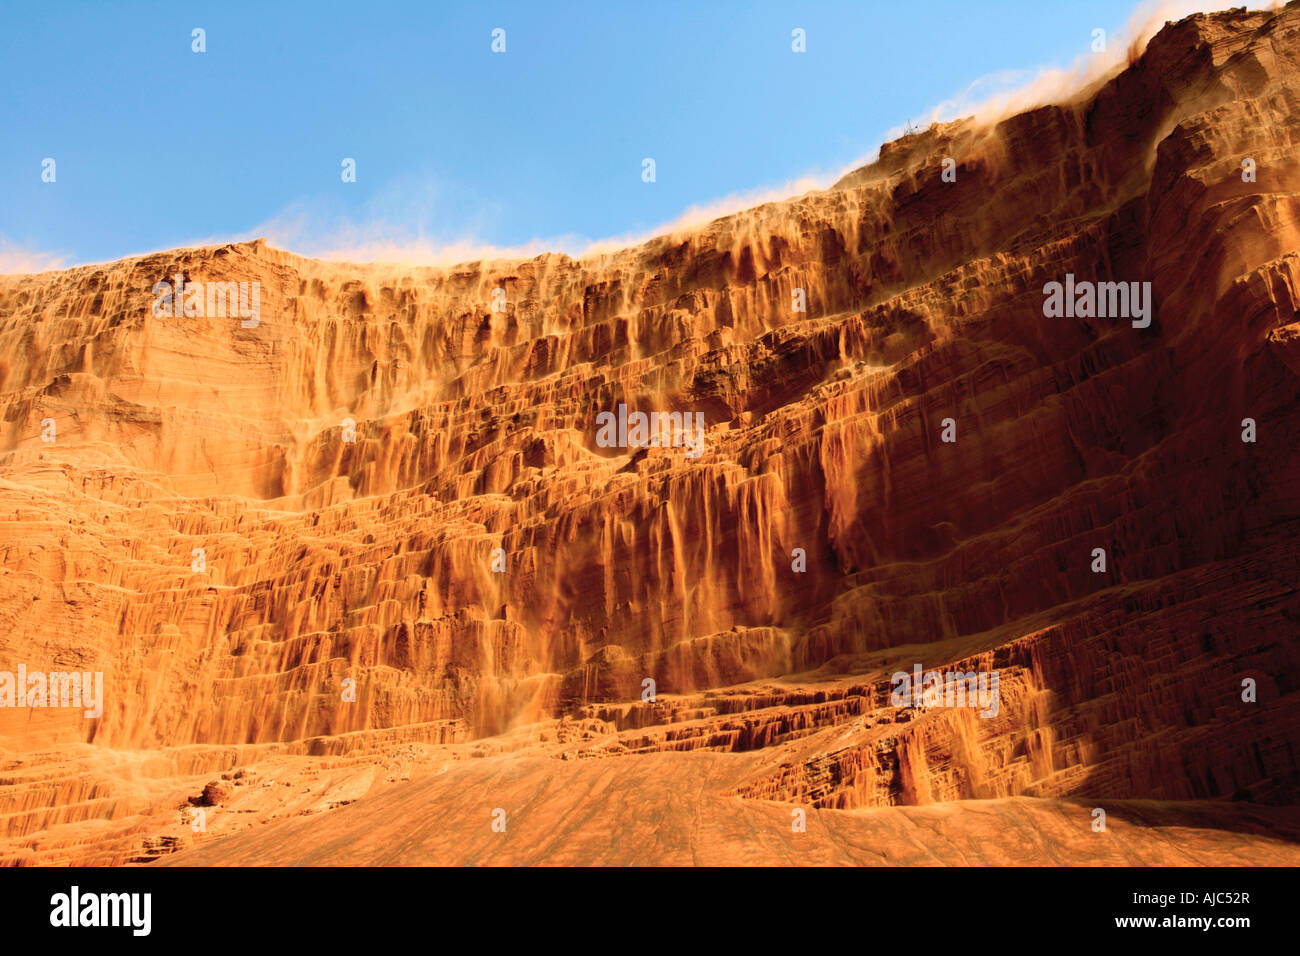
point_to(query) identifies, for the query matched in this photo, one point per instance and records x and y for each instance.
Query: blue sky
(157, 146)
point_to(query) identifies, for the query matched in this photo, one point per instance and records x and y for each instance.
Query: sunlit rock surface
(456, 611)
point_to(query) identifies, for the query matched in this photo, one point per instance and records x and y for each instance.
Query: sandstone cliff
(392, 490)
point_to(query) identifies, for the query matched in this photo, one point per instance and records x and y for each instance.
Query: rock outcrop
(368, 548)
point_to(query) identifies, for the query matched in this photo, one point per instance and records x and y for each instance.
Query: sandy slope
(372, 560)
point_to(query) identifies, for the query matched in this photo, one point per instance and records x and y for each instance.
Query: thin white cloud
(399, 224)
(988, 99)
(16, 258)
(403, 233)
(1004, 93)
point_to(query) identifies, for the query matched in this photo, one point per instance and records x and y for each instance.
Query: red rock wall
(475, 430)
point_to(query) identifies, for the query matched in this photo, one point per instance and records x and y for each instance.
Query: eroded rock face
(375, 534)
